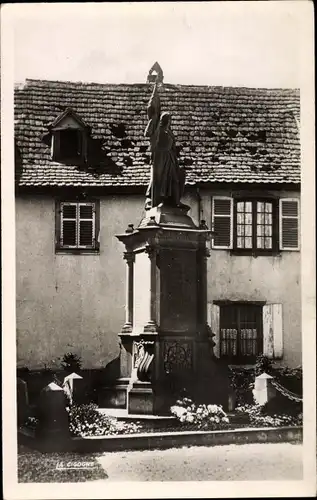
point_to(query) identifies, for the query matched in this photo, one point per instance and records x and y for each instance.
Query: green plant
(201, 416)
(71, 362)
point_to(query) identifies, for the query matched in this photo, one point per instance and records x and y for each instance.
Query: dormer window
(69, 138)
(70, 143)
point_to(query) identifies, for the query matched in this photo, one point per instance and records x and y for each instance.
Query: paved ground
(216, 463)
(234, 462)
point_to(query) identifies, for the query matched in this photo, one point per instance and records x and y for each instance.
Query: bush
(242, 382)
(265, 416)
(86, 420)
(71, 362)
(242, 379)
(200, 416)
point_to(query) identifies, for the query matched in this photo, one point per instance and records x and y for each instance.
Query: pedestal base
(141, 399)
(115, 396)
(167, 216)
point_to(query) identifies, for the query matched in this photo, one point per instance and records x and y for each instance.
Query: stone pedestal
(166, 341)
(263, 390)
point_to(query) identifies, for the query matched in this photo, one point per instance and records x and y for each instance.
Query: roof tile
(224, 134)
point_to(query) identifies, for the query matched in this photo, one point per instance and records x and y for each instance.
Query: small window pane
(268, 218)
(248, 230)
(268, 207)
(240, 218)
(268, 231)
(260, 218)
(260, 230)
(240, 206)
(248, 218)
(248, 242)
(240, 230)
(248, 206)
(260, 242)
(268, 242)
(260, 206)
(239, 242)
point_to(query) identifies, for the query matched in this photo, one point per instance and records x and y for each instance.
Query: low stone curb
(163, 440)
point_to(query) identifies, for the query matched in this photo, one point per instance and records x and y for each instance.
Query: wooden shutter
(213, 318)
(289, 224)
(222, 217)
(86, 225)
(78, 225)
(69, 229)
(272, 331)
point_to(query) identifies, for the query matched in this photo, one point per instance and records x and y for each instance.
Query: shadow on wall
(93, 379)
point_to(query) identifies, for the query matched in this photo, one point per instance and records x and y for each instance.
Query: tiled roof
(223, 134)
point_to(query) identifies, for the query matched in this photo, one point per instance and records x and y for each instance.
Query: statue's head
(165, 120)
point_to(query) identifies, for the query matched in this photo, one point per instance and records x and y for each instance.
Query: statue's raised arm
(167, 177)
(153, 113)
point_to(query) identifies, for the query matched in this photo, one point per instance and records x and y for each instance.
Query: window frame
(95, 247)
(238, 359)
(56, 153)
(275, 226)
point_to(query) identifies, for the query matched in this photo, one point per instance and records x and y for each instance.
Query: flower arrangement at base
(202, 416)
(85, 420)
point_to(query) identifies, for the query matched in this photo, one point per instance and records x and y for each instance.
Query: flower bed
(86, 420)
(202, 417)
(260, 416)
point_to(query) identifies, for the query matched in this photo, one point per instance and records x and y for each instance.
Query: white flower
(213, 408)
(226, 420)
(190, 418)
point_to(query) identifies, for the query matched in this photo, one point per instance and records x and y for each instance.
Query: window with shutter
(255, 225)
(77, 226)
(222, 210)
(240, 332)
(289, 224)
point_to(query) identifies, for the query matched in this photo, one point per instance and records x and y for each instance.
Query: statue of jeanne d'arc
(167, 177)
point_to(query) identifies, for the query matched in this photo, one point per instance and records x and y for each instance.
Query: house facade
(82, 169)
